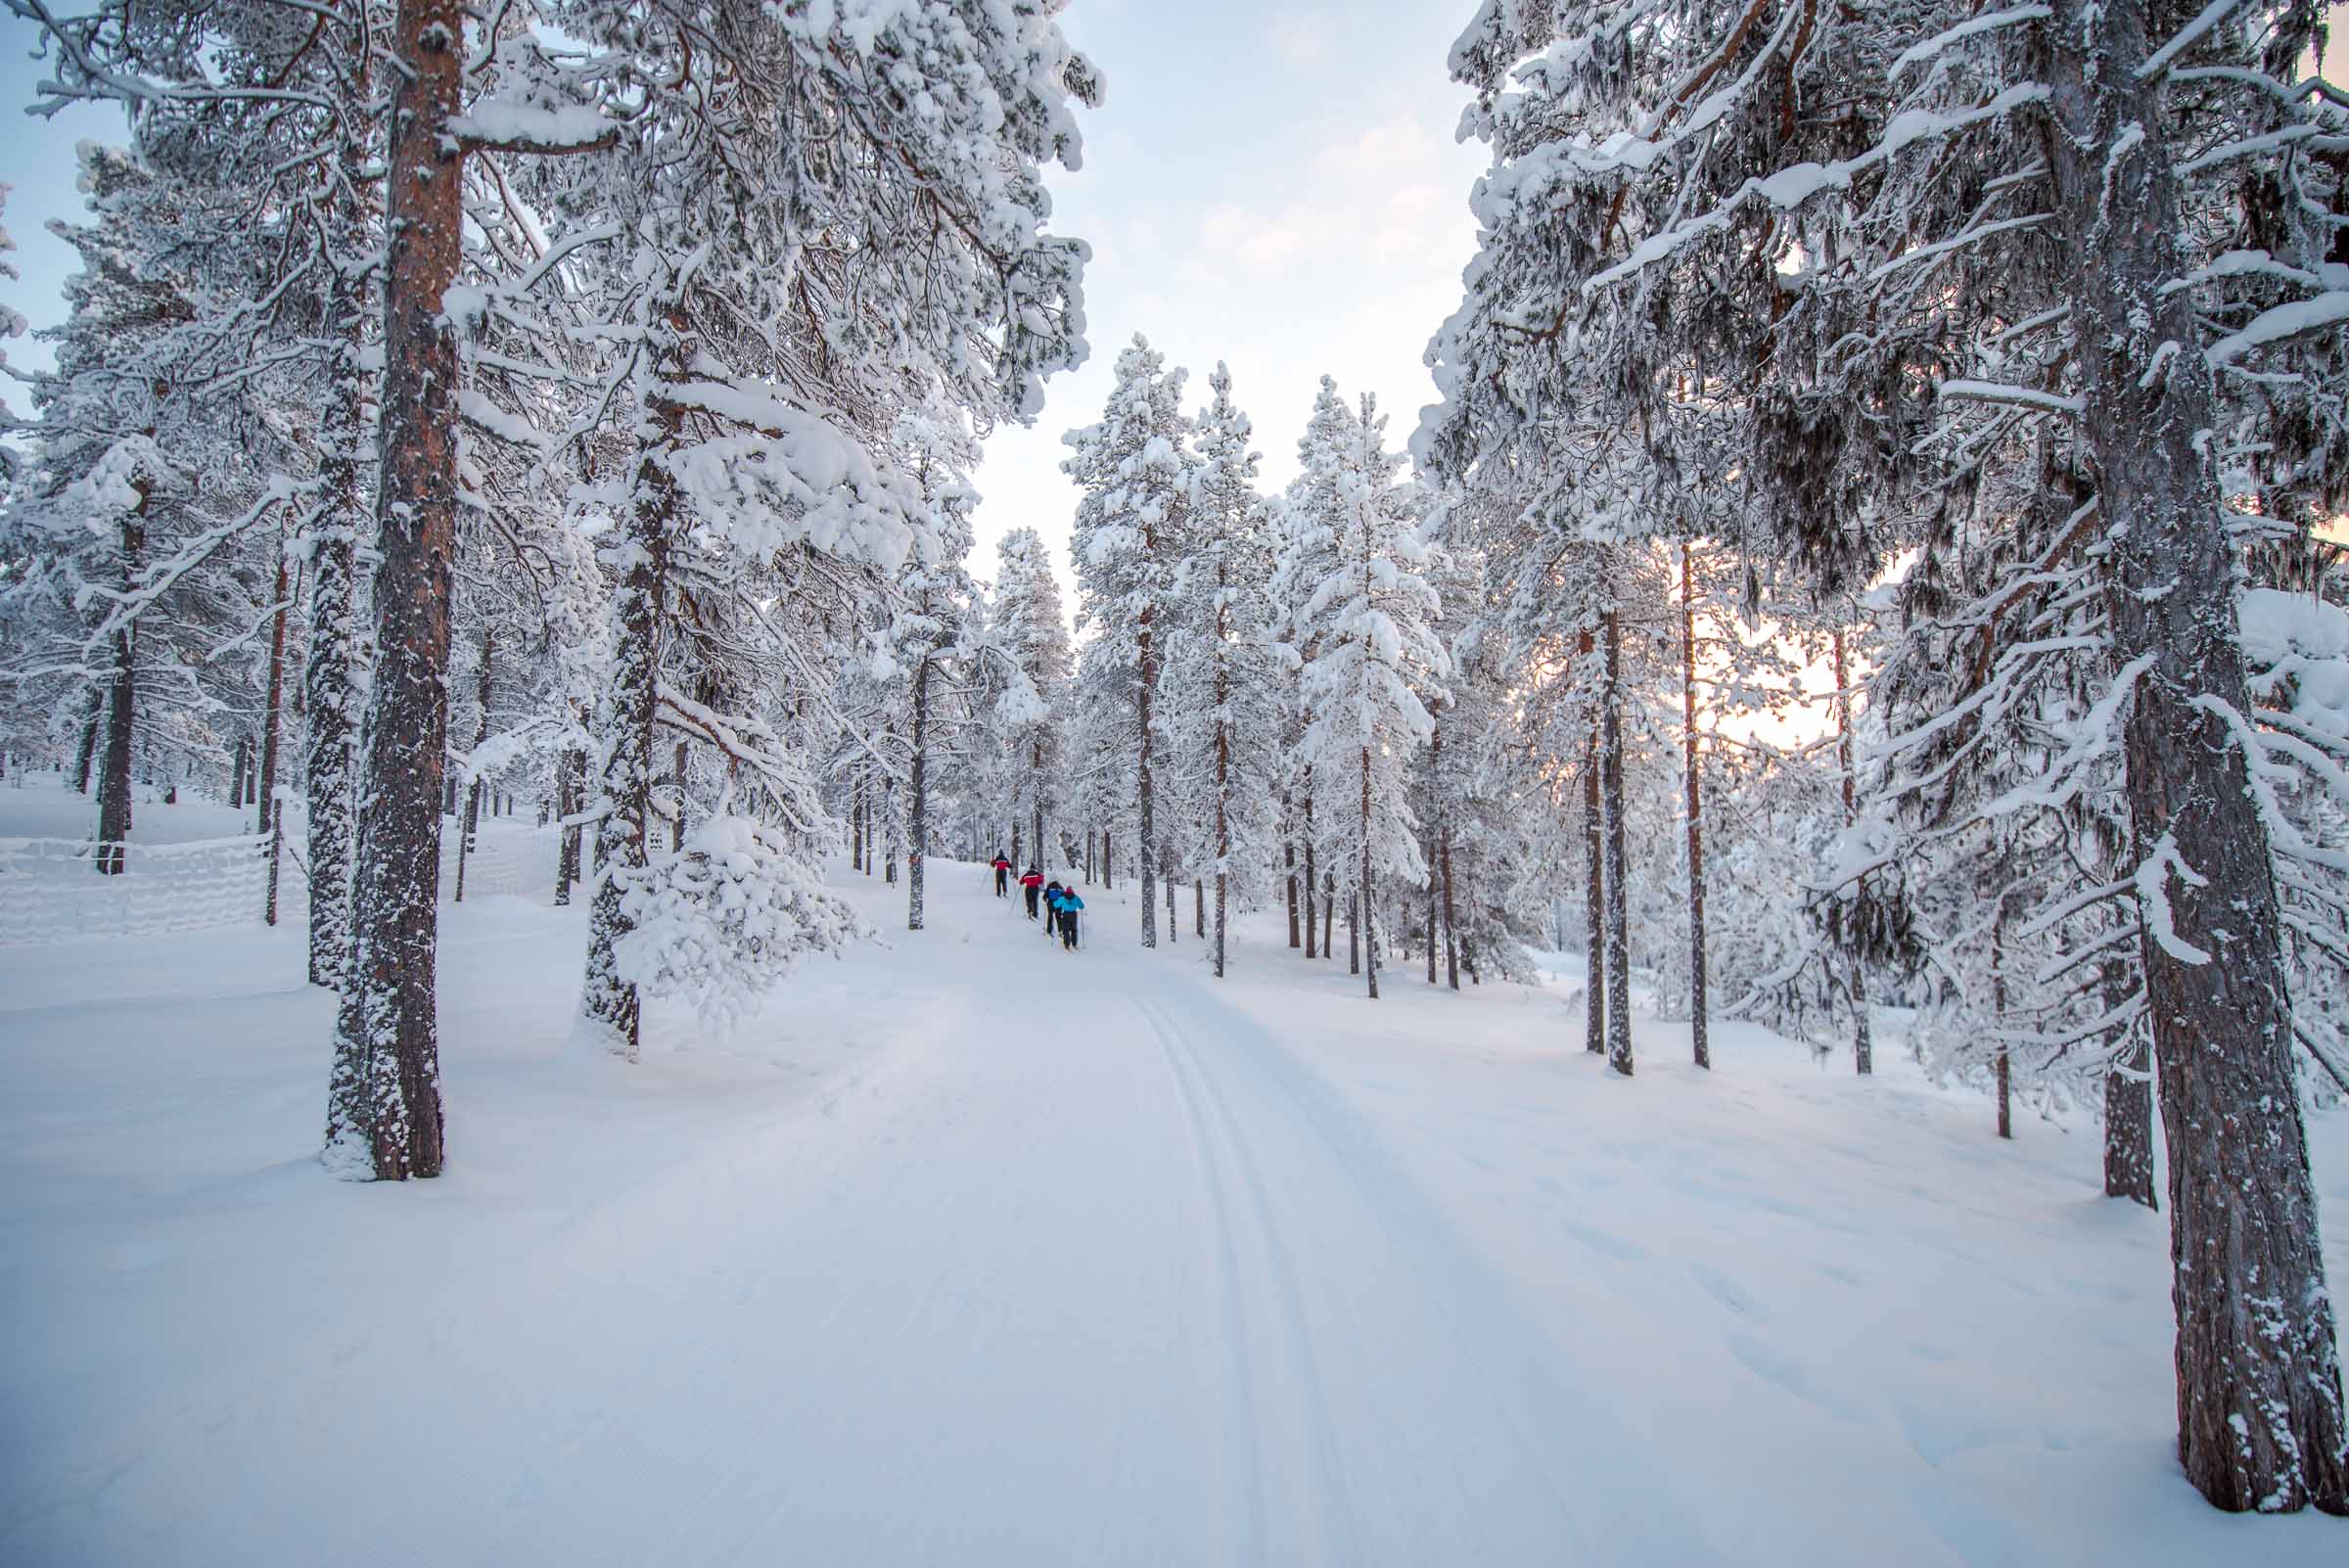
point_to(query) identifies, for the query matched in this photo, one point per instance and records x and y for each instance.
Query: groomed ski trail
(1088, 1271)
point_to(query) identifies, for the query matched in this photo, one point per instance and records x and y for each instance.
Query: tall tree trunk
(1434, 758)
(918, 850)
(2002, 1066)
(2259, 1383)
(1035, 804)
(1173, 927)
(1369, 884)
(86, 750)
(121, 705)
(570, 776)
(677, 828)
(1863, 1051)
(384, 1117)
(629, 707)
(1145, 789)
(1290, 850)
(1692, 768)
(1595, 884)
(1329, 915)
(273, 703)
(1619, 940)
(331, 684)
(856, 824)
(1311, 881)
(272, 811)
(1432, 892)
(1109, 879)
(1223, 767)
(1354, 932)
(2128, 1106)
(1452, 950)
(468, 838)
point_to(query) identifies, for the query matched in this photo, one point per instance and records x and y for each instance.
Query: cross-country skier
(1003, 876)
(1052, 891)
(1030, 884)
(1070, 904)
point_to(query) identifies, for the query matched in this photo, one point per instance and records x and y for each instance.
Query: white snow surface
(969, 1251)
(2298, 651)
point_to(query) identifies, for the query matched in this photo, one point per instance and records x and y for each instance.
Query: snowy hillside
(971, 1251)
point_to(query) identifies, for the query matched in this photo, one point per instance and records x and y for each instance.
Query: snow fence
(50, 889)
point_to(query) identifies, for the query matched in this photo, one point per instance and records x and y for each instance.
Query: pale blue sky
(1273, 185)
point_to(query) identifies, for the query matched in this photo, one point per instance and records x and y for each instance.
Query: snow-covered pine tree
(931, 626)
(147, 536)
(276, 119)
(1223, 665)
(1135, 470)
(1034, 627)
(1376, 658)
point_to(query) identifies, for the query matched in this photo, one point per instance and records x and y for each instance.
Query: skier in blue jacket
(1070, 904)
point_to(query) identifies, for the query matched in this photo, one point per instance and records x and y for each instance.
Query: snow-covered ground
(975, 1252)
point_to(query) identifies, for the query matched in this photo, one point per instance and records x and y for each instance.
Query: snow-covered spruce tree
(1563, 510)
(2053, 167)
(1136, 469)
(2296, 654)
(1101, 797)
(1983, 681)
(927, 636)
(1225, 672)
(274, 115)
(147, 533)
(1307, 556)
(1495, 857)
(1034, 627)
(1374, 653)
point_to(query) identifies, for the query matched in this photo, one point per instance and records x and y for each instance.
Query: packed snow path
(979, 1252)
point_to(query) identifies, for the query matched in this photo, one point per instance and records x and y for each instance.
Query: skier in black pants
(1070, 904)
(1052, 891)
(1031, 882)
(1002, 877)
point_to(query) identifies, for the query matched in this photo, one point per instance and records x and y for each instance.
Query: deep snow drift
(974, 1251)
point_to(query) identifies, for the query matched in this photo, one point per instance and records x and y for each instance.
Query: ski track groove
(1240, 1383)
(1450, 1278)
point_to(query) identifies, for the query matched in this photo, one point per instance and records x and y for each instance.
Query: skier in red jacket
(1002, 877)
(1030, 883)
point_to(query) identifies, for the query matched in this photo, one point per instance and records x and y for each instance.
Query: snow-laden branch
(2187, 36)
(2295, 318)
(1931, 48)
(1959, 389)
(1792, 186)
(1972, 236)
(2153, 898)
(502, 125)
